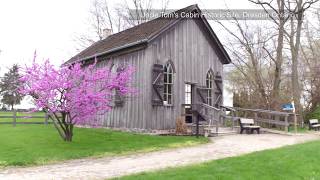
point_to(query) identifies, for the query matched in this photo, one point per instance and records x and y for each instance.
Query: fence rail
(271, 119)
(14, 118)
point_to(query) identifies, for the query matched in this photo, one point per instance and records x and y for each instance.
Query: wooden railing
(213, 118)
(231, 116)
(12, 119)
(270, 119)
(214, 115)
(210, 114)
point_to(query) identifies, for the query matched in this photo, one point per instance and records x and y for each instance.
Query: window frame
(209, 86)
(168, 74)
(188, 93)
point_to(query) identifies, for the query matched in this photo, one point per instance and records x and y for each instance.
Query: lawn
(41, 144)
(288, 163)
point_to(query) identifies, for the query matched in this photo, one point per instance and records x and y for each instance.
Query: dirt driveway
(102, 168)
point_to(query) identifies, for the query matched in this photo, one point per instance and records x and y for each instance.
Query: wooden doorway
(188, 94)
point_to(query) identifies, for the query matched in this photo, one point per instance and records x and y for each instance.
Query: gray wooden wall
(131, 114)
(186, 45)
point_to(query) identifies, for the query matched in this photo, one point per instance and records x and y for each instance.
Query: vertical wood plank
(286, 123)
(46, 119)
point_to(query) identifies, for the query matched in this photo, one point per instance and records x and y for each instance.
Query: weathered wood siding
(187, 46)
(131, 114)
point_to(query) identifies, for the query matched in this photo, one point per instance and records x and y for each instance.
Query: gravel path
(102, 168)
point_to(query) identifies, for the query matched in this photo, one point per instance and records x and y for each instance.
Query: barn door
(218, 92)
(157, 85)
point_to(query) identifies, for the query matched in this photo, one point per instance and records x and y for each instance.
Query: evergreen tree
(9, 87)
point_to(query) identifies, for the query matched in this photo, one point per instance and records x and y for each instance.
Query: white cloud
(50, 27)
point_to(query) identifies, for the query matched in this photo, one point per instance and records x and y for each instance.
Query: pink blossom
(79, 92)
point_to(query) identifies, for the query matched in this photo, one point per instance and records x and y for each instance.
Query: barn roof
(140, 34)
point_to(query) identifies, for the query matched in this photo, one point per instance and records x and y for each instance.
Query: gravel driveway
(102, 168)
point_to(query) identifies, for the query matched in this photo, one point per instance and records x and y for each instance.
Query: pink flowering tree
(74, 95)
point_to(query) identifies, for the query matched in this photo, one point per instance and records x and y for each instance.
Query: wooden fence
(14, 118)
(271, 119)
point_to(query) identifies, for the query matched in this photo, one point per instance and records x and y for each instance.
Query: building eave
(109, 51)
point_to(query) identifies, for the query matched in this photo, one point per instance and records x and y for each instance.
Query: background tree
(294, 36)
(279, 20)
(120, 16)
(266, 55)
(310, 64)
(72, 94)
(253, 68)
(291, 13)
(9, 87)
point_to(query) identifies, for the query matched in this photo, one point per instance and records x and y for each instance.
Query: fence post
(295, 123)
(218, 121)
(270, 118)
(256, 118)
(14, 118)
(301, 120)
(46, 119)
(197, 125)
(232, 118)
(286, 123)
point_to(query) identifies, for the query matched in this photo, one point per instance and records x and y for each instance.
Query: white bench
(248, 125)
(314, 124)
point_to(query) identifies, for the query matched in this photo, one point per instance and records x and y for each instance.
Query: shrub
(181, 127)
(315, 114)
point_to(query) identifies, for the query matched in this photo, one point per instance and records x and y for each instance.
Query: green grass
(288, 163)
(40, 144)
(299, 129)
(7, 113)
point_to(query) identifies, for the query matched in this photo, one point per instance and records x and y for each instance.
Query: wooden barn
(179, 67)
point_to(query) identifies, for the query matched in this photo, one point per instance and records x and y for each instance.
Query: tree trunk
(64, 126)
(69, 133)
(258, 79)
(68, 127)
(279, 59)
(295, 45)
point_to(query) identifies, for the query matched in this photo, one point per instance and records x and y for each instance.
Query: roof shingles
(133, 35)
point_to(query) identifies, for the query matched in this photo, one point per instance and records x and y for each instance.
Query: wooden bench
(314, 124)
(248, 125)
